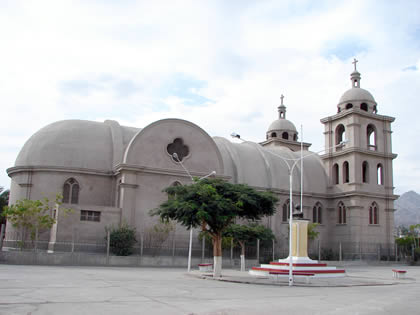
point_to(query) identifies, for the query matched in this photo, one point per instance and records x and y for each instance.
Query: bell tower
(360, 172)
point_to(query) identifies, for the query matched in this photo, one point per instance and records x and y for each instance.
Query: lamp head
(235, 135)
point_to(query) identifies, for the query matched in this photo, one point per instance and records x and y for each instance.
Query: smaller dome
(282, 124)
(356, 94)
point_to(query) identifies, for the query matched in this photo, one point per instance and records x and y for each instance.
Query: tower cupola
(356, 97)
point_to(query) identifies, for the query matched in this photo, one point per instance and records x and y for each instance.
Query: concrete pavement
(72, 290)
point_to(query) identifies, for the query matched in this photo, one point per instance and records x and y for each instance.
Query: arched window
(364, 107)
(336, 173)
(340, 135)
(380, 174)
(349, 105)
(71, 191)
(286, 211)
(285, 135)
(346, 172)
(371, 137)
(273, 135)
(295, 137)
(365, 172)
(342, 215)
(373, 214)
(317, 213)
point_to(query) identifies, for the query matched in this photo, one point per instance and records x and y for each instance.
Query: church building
(111, 174)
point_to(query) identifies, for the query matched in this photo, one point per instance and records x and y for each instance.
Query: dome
(356, 94)
(282, 124)
(258, 166)
(73, 144)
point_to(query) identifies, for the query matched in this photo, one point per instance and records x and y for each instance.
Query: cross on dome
(282, 108)
(355, 61)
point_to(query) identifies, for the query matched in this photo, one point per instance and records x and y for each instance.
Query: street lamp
(291, 168)
(175, 156)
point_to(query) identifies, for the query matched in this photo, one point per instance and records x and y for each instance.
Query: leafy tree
(4, 201)
(158, 234)
(312, 233)
(213, 204)
(248, 233)
(408, 243)
(122, 240)
(33, 216)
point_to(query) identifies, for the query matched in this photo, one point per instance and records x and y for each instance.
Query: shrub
(122, 240)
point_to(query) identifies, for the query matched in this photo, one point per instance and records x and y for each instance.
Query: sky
(222, 65)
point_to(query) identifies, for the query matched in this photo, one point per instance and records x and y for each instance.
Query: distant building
(110, 174)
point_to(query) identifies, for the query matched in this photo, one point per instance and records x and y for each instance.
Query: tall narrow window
(336, 174)
(380, 174)
(340, 135)
(346, 172)
(66, 192)
(365, 172)
(371, 137)
(373, 214)
(342, 215)
(71, 191)
(286, 211)
(317, 213)
(285, 135)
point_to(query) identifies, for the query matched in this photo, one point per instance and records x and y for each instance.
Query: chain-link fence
(178, 246)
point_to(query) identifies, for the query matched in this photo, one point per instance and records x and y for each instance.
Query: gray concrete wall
(84, 259)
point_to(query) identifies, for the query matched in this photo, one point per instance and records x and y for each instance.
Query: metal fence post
(273, 251)
(203, 248)
(108, 241)
(3, 227)
(36, 239)
(340, 254)
(141, 244)
(73, 235)
(258, 250)
(173, 247)
(319, 249)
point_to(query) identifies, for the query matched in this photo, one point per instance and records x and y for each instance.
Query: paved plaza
(35, 290)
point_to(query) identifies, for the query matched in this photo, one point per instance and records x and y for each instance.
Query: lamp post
(175, 156)
(291, 167)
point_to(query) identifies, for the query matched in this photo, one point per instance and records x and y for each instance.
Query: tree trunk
(217, 253)
(242, 255)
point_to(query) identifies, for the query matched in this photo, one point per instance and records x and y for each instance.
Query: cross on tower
(355, 62)
(281, 99)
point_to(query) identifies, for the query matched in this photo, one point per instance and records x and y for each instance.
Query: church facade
(111, 174)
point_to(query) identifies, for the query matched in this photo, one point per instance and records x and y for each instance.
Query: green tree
(213, 204)
(312, 232)
(243, 234)
(33, 216)
(4, 201)
(122, 240)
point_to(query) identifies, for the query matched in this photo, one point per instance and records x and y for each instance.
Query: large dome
(356, 94)
(74, 144)
(283, 125)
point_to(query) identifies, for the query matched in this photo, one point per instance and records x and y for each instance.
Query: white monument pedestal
(301, 263)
